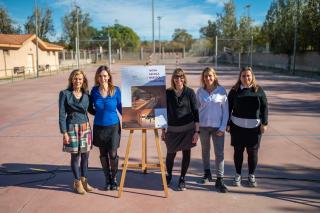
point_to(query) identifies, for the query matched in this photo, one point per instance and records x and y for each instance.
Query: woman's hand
(219, 133)
(228, 129)
(66, 138)
(195, 138)
(263, 128)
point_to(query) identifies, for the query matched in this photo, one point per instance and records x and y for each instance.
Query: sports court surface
(35, 174)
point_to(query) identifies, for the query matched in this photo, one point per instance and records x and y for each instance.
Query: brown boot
(86, 185)
(77, 185)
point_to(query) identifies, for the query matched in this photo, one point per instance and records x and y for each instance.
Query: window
(6, 52)
(48, 53)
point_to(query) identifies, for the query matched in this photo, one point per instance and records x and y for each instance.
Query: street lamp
(37, 44)
(77, 38)
(248, 10)
(154, 44)
(159, 19)
(251, 36)
(295, 36)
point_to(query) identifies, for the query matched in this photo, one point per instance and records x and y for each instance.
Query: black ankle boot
(106, 170)
(169, 178)
(220, 186)
(114, 170)
(182, 184)
(113, 184)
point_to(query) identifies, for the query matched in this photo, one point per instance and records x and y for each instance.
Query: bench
(18, 70)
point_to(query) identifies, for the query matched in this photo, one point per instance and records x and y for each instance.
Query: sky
(137, 14)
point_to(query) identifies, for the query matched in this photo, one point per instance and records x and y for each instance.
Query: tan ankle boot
(86, 185)
(77, 185)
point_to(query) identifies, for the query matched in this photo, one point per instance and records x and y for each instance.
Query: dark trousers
(83, 170)
(186, 154)
(252, 157)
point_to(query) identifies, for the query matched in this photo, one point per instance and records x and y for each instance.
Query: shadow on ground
(291, 183)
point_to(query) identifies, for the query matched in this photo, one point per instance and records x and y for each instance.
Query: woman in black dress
(183, 124)
(248, 120)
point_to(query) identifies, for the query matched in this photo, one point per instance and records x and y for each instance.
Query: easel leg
(125, 164)
(162, 168)
(144, 151)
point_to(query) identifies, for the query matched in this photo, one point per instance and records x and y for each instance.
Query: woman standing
(106, 129)
(213, 112)
(183, 124)
(74, 102)
(248, 108)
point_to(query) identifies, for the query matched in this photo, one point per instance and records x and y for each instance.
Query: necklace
(77, 94)
(178, 92)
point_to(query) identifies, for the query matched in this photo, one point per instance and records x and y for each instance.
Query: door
(30, 67)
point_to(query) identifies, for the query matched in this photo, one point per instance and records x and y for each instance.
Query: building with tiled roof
(18, 54)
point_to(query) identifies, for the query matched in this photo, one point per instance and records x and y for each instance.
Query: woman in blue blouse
(74, 102)
(106, 129)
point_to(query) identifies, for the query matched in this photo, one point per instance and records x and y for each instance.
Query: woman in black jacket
(183, 124)
(248, 120)
(74, 103)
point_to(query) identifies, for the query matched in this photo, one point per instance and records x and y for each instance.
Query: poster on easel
(143, 94)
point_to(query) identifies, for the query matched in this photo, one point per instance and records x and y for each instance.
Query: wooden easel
(144, 165)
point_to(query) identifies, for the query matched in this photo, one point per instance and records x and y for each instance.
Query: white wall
(305, 62)
(19, 58)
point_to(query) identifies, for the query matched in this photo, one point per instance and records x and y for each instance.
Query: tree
(280, 27)
(310, 25)
(227, 24)
(227, 21)
(259, 38)
(45, 23)
(122, 37)
(6, 23)
(244, 32)
(210, 31)
(181, 36)
(70, 27)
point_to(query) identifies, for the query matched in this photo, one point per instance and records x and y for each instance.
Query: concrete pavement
(35, 174)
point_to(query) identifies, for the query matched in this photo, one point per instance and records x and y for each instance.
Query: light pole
(109, 50)
(37, 44)
(154, 44)
(251, 36)
(248, 15)
(295, 37)
(159, 19)
(77, 38)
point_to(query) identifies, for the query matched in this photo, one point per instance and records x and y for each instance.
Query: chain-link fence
(239, 53)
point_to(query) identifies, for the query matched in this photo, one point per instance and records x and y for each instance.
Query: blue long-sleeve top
(106, 108)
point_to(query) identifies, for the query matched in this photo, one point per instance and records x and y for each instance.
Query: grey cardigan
(73, 111)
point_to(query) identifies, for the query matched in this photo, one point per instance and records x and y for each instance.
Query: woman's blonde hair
(178, 72)
(110, 82)
(73, 74)
(207, 70)
(254, 84)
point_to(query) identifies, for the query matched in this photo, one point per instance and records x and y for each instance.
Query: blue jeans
(218, 142)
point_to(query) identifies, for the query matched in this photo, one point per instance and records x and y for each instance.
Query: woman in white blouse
(213, 113)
